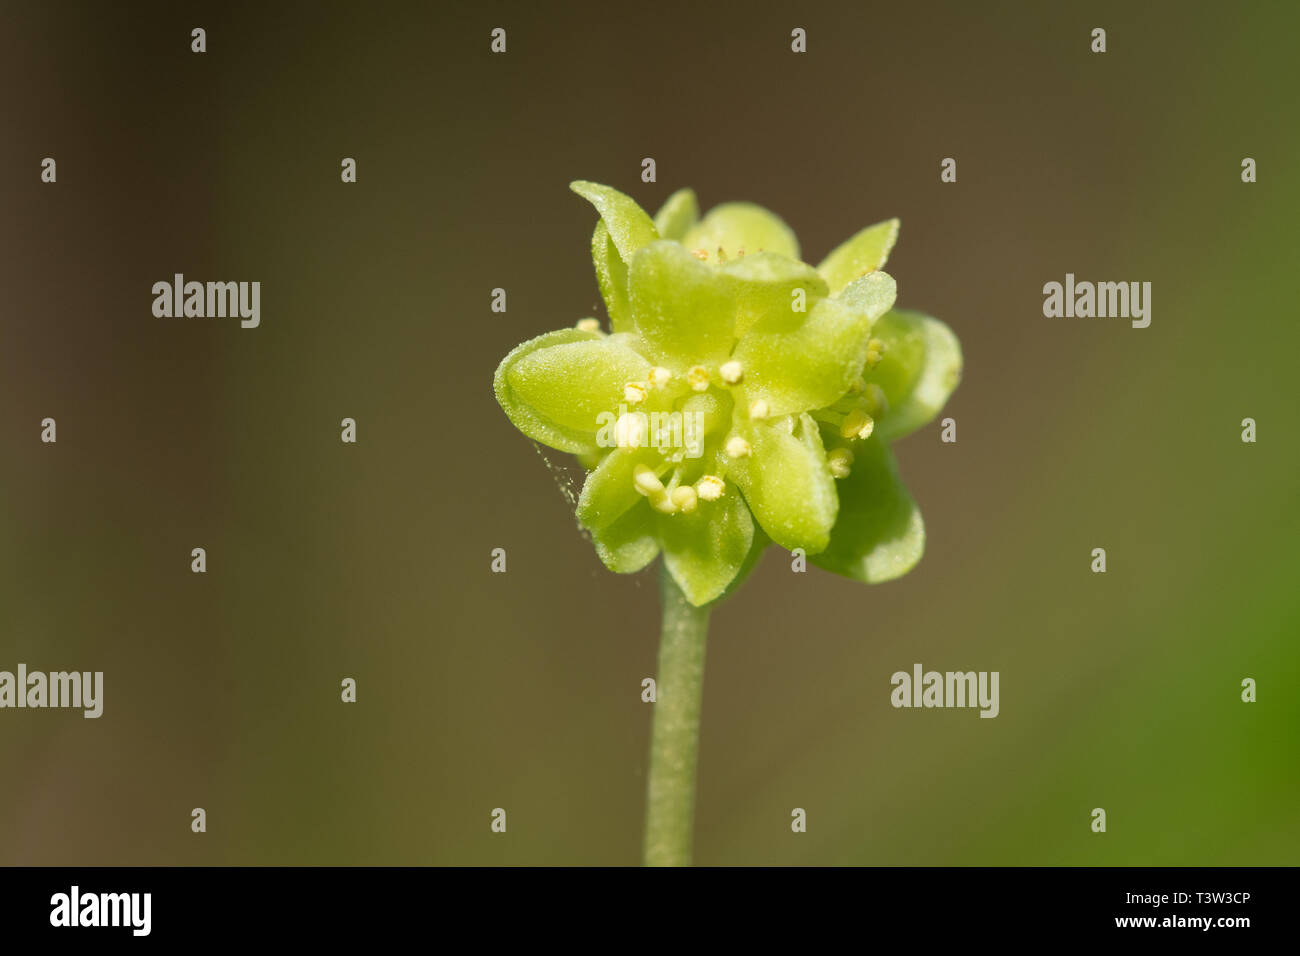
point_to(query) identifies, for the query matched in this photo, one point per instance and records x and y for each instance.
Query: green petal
(764, 285)
(705, 550)
(737, 227)
(611, 276)
(629, 544)
(920, 368)
(879, 535)
(629, 226)
(572, 384)
(676, 217)
(873, 294)
(528, 419)
(808, 366)
(682, 309)
(756, 549)
(865, 252)
(608, 492)
(788, 484)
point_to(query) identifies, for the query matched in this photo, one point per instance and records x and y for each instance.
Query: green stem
(675, 740)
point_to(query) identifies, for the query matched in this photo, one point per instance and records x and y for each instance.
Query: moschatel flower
(741, 396)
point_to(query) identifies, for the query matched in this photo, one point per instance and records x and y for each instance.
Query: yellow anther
(634, 393)
(710, 487)
(854, 422)
(587, 325)
(722, 256)
(645, 480)
(662, 502)
(840, 460)
(875, 352)
(660, 376)
(698, 377)
(684, 498)
(737, 447)
(858, 387)
(740, 253)
(732, 372)
(759, 409)
(700, 254)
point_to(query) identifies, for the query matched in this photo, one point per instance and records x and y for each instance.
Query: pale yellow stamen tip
(700, 254)
(660, 376)
(634, 393)
(684, 498)
(854, 422)
(645, 480)
(630, 431)
(588, 325)
(698, 378)
(662, 502)
(875, 352)
(732, 372)
(722, 256)
(759, 409)
(710, 488)
(840, 460)
(737, 447)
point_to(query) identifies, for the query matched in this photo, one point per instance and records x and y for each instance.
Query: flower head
(741, 396)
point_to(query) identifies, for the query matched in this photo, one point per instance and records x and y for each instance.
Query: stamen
(732, 372)
(662, 502)
(660, 376)
(737, 447)
(634, 393)
(684, 498)
(700, 254)
(710, 487)
(698, 377)
(759, 409)
(722, 256)
(587, 325)
(645, 480)
(840, 459)
(875, 352)
(855, 423)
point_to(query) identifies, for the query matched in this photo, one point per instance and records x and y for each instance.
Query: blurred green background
(522, 691)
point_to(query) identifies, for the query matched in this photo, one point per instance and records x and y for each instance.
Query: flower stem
(675, 739)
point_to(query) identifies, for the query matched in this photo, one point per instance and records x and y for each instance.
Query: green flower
(741, 396)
